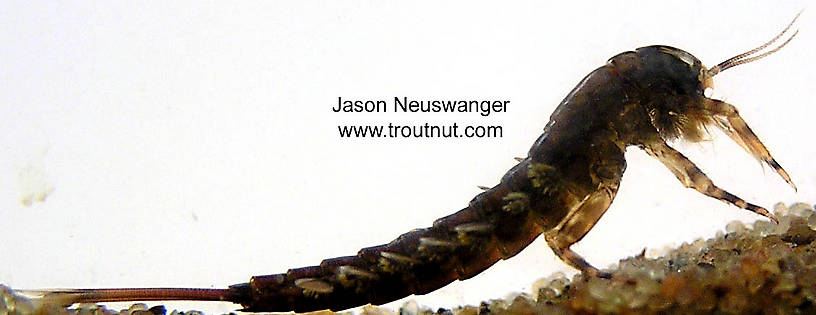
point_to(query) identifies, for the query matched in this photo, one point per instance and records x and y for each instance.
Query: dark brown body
(561, 189)
(532, 198)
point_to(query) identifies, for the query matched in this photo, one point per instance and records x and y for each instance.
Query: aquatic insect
(640, 98)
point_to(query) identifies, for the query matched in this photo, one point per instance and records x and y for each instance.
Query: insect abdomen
(456, 247)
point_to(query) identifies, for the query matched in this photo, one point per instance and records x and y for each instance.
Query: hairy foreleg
(731, 123)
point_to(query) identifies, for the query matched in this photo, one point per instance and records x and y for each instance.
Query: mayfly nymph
(642, 98)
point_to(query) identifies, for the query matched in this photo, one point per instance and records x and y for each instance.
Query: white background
(191, 144)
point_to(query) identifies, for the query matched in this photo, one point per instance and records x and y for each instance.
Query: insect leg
(729, 121)
(583, 216)
(576, 225)
(692, 177)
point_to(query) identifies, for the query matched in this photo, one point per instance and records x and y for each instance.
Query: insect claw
(518, 159)
(781, 171)
(483, 187)
(642, 253)
(764, 212)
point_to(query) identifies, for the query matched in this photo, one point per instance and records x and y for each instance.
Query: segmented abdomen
(496, 225)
